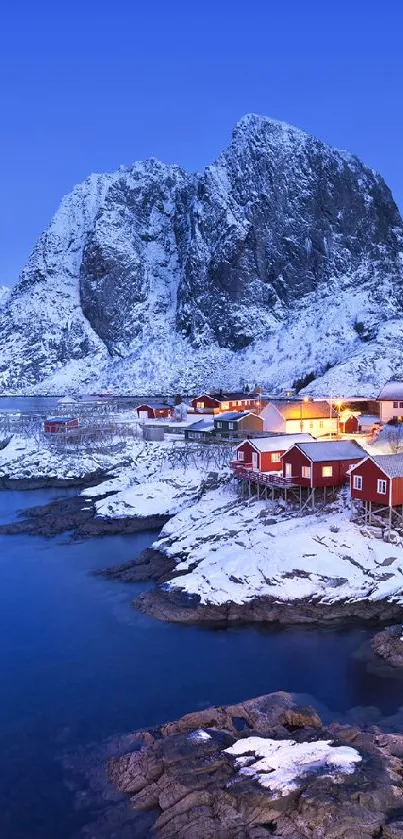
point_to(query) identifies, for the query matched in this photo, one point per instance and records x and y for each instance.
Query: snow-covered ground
(279, 765)
(164, 479)
(232, 551)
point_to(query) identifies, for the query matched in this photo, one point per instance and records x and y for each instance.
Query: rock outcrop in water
(152, 279)
(265, 768)
(388, 644)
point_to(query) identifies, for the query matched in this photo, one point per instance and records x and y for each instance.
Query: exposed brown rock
(389, 645)
(197, 792)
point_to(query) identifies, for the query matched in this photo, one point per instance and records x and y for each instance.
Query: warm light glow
(306, 398)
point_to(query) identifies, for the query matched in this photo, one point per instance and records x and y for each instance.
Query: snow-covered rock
(282, 259)
(279, 765)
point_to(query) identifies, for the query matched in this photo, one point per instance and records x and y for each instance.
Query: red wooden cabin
(349, 424)
(160, 411)
(378, 479)
(319, 464)
(57, 425)
(263, 454)
(218, 403)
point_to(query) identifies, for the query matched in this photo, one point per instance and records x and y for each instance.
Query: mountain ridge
(152, 279)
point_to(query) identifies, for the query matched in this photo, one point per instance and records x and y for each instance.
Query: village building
(290, 417)
(377, 481)
(390, 402)
(349, 423)
(367, 423)
(201, 430)
(60, 425)
(217, 403)
(321, 464)
(264, 453)
(157, 411)
(236, 423)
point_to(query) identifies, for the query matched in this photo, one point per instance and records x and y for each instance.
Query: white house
(391, 401)
(293, 417)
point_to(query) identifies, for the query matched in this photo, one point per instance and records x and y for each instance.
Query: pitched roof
(368, 419)
(332, 450)
(298, 409)
(391, 464)
(158, 405)
(201, 425)
(60, 419)
(232, 416)
(278, 443)
(393, 391)
(236, 395)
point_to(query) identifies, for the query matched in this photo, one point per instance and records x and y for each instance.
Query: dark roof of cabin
(232, 416)
(236, 395)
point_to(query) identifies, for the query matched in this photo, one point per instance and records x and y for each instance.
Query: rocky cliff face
(283, 258)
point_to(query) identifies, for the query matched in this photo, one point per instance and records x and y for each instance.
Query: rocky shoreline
(76, 514)
(388, 644)
(264, 768)
(176, 606)
(81, 482)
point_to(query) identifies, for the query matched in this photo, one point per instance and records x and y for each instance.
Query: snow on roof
(201, 425)
(233, 415)
(391, 464)
(368, 419)
(235, 395)
(303, 410)
(332, 450)
(280, 765)
(158, 405)
(278, 443)
(60, 419)
(392, 391)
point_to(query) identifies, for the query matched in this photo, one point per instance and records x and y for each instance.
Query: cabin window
(327, 471)
(395, 404)
(241, 456)
(357, 481)
(225, 406)
(400, 404)
(200, 404)
(381, 486)
(219, 425)
(321, 424)
(311, 425)
(230, 425)
(306, 472)
(276, 457)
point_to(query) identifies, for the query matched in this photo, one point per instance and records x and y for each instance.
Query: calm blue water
(79, 664)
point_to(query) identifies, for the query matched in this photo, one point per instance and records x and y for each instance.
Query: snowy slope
(4, 292)
(283, 258)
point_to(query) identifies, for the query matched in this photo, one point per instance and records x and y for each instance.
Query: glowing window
(276, 457)
(327, 471)
(306, 472)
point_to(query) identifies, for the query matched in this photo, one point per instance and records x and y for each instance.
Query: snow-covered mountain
(4, 292)
(282, 260)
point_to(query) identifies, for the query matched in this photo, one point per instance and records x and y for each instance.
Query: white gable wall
(388, 410)
(272, 420)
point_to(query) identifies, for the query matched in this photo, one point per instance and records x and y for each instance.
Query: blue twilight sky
(86, 86)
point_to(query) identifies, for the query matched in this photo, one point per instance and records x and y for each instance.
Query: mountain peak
(279, 263)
